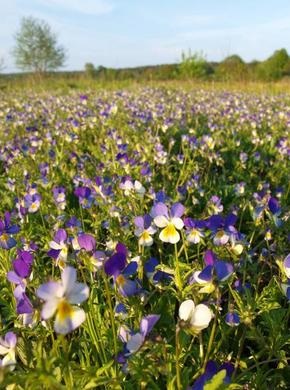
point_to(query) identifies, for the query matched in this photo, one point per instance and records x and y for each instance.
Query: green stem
(177, 353)
(178, 280)
(211, 339)
(111, 311)
(241, 347)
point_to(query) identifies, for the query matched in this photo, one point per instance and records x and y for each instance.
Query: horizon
(127, 34)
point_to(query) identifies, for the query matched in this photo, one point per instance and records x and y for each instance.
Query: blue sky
(121, 33)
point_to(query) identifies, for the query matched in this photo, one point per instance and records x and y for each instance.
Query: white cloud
(88, 7)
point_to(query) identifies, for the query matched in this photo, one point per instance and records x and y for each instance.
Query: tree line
(37, 50)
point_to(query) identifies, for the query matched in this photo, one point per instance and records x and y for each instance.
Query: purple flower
(210, 371)
(59, 248)
(134, 341)
(194, 230)
(84, 194)
(232, 319)
(32, 202)
(7, 349)
(144, 230)
(6, 229)
(86, 242)
(117, 267)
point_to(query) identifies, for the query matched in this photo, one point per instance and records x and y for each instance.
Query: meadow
(144, 238)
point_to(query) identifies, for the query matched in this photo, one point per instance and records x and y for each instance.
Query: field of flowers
(144, 240)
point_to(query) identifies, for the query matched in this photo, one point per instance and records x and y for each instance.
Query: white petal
(79, 293)
(9, 360)
(64, 325)
(4, 350)
(201, 317)
(49, 308)
(161, 221)
(186, 310)
(170, 235)
(55, 245)
(68, 277)
(50, 290)
(178, 223)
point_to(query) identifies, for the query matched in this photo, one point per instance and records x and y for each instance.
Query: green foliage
(275, 67)
(193, 66)
(36, 47)
(90, 70)
(232, 68)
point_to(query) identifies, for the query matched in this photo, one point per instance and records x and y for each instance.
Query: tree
(36, 47)
(194, 65)
(90, 70)
(232, 68)
(275, 67)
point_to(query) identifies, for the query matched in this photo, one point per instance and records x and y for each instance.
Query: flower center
(170, 230)
(120, 280)
(145, 235)
(64, 310)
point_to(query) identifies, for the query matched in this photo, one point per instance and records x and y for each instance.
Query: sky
(128, 33)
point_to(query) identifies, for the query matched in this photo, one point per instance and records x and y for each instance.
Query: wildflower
(117, 267)
(214, 205)
(60, 298)
(197, 317)
(222, 269)
(84, 194)
(232, 319)
(134, 341)
(169, 221)
(144, 230)
(21, 269)
(59, 197)
(32, 202)
(7, 349)
(6, 229)
(286, 265)
(58, 248)
(194, 230)
(210, 371)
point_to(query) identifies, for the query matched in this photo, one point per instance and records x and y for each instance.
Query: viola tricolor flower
(7, 349)
(59, 248)
(32, 201)
(84, 194)
(194, 230)
(117, 267)
(6, 229)
(232, 319)
(60, 300)
(196, 318)
(59, 197)
(169, 220)
(211, 370)
(144, 230)
(286, 264)
(133, 341)
(222, 269)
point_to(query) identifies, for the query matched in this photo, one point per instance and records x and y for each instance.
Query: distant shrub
(232, 68)
(193, 66)
(275, 67)
(90, 70)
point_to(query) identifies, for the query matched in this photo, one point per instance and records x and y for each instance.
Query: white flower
(60, 297)
(7, 349)
(198, 317)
